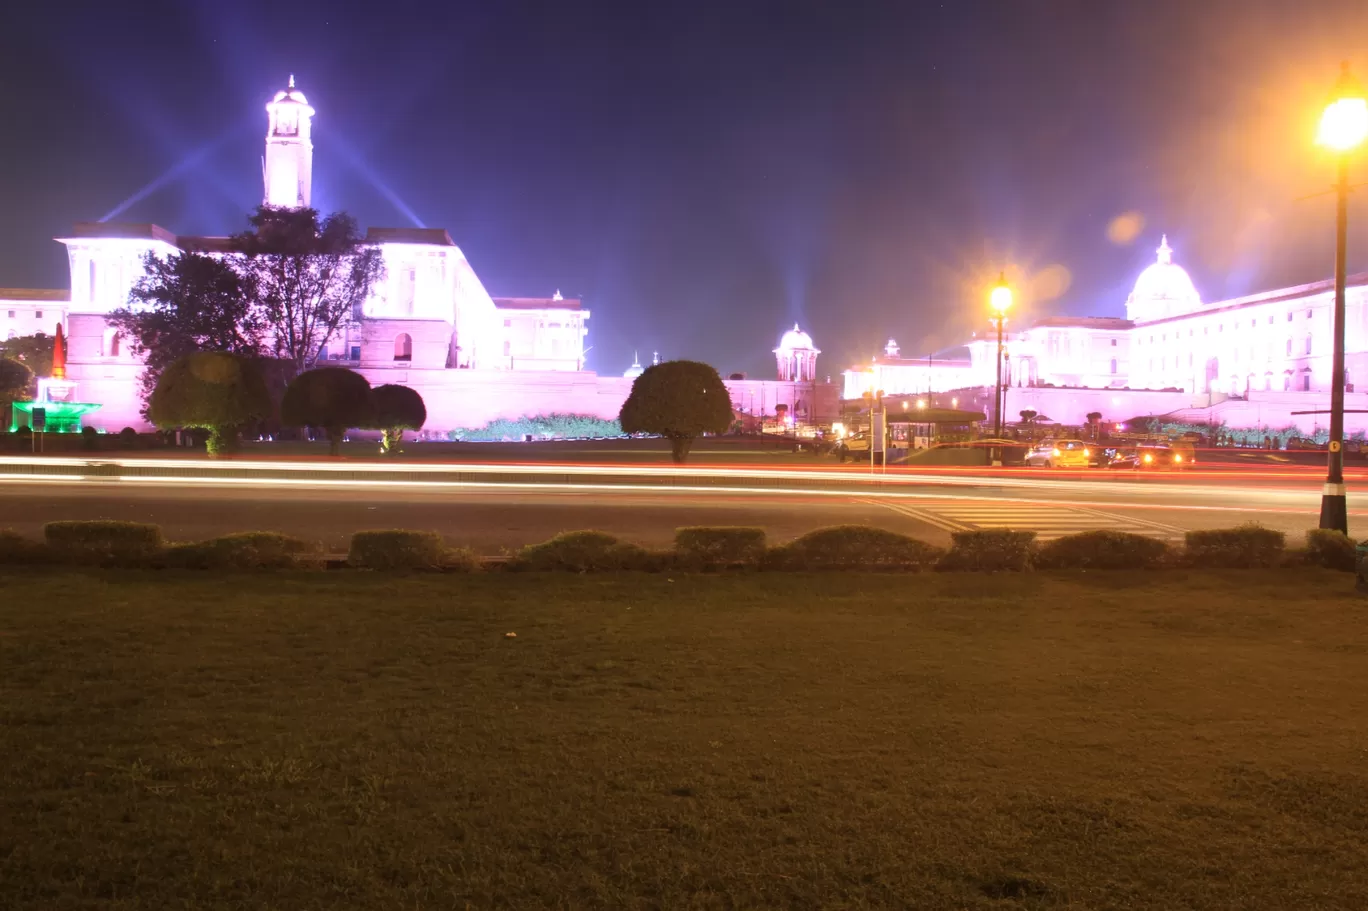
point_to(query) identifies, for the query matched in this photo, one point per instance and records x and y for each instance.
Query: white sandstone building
(1250, 361)
(429, 323)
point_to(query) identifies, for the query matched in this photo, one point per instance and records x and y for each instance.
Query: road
(491, 518)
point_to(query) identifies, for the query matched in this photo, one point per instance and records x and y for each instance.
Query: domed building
(1163, 289)
(1258, 360)
(797, 356)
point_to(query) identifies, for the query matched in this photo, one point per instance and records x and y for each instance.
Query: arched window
(403, 347)
(1113, 366)
(1289, 347)
(112, 344)
(1308, 344)
(92, 281)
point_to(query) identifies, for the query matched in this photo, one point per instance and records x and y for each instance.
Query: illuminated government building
(429, 323)
(1250, 361)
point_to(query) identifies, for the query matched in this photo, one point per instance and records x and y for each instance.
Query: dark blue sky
(706, 173)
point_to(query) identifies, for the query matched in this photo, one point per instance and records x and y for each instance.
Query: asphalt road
(491, 519)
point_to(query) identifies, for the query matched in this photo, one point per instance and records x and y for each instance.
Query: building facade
(1258, 360)
(428, 323)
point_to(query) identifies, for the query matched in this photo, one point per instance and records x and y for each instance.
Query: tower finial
(1165, 251)
(292, 80)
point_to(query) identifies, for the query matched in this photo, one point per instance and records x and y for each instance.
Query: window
(1287, 383)
(1289, 317)
(1308, 344)
(323, 353)
(1113, 340)
(37, 314)
(1252, 323)
(1113, 362)
(1189, 359)
(403, 347)
(11, 316)
(1270, 319)
(92, 281)
(508, 323)
(1289, 347)
(508, 348)
(1206, 330)
(1306, 382)
(1221, 328)
(111, 343)
(1190, 333)
(356, 352)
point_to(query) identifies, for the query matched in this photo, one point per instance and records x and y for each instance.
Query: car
(1060, 454)
(1141, 458)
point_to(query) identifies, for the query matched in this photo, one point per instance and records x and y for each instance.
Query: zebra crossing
(1047, 520)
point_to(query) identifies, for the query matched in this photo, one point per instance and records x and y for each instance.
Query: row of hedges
(842, 547)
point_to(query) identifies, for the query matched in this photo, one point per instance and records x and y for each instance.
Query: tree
(33, 351)
(334, 399)
(210, 390)
(678, 400)
(1094, 418)
(397, 408)
(186, 303)
(15, 379)
(308, 276)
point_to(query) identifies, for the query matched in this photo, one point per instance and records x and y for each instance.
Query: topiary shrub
(854, 547)
(104, 540)
(990, 550)
(90, 439)
(707, 547)
(1102, 550)
(332, 398)
(1247, 546)
(244, 550)
(396, 409)
(583, 552)
(15, 549)
(397, 549)
(1330, 548)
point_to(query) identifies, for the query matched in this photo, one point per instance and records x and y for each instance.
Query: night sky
(705, 174)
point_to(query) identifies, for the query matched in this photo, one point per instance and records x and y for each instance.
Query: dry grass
(1187, 740)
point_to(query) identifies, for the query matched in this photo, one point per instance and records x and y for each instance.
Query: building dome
(290, 93)
(795, 340)
(1162, 290)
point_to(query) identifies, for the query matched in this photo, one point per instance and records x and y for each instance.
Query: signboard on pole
(39, 419)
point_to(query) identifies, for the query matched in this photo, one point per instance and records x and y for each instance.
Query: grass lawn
(1186, 740)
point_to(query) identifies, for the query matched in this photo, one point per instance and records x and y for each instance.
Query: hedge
(1247, 546)
(1102, 550)
(719, 545)
(1331, 548)
(244, 550)
(990, 550)
(583, 552)
(854, 547)
(103, 538)
(397, 549)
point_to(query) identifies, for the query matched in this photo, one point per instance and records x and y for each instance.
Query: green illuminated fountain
(55, 410)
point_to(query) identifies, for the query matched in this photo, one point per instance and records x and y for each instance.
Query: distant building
(1249, 361)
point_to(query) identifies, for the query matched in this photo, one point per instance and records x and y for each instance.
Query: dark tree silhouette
(333, 399)
(397, 408)
(678, 400)
(307, 275)
(186, 303)
(210, 390)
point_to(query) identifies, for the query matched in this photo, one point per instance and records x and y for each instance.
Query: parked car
(1142, 458)
(1060, 454)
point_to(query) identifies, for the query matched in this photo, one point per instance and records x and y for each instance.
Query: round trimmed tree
(397, 408)
(678, 400)
(213, 391)
(15, 378)
(333, 399)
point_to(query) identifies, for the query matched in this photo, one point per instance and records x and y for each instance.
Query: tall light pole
(1000, 301)
(1343, 128)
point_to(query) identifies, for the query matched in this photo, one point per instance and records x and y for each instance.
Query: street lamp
(1343, 128)
(1000, 301)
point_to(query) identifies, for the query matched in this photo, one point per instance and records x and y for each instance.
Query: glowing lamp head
(1001, 299)
(1344, 123)
(921, 404)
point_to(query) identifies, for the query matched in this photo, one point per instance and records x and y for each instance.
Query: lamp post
(1000, 301)
(1343, 128)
